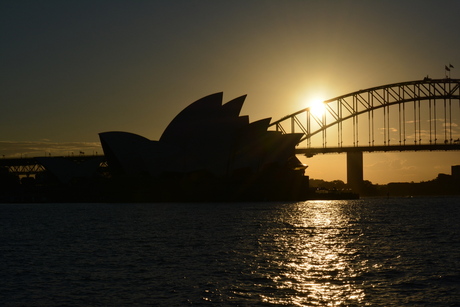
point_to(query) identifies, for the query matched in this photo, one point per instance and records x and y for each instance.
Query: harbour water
(367, 252)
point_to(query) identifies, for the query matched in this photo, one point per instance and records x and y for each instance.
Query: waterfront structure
(209, 149)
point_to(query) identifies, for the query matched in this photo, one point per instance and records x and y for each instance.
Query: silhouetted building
(210, 151)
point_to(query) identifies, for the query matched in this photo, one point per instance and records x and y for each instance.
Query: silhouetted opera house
(207, 152)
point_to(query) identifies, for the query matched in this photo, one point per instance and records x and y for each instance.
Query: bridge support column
(355, 171)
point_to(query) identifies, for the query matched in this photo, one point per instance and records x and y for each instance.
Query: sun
(317, 107)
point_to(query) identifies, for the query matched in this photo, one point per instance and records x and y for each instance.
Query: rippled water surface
(374, 252)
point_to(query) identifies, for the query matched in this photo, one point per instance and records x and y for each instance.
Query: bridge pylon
(355, 177)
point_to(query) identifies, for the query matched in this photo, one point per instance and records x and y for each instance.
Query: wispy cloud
(394, 165)
(13, 149)
(391, 129)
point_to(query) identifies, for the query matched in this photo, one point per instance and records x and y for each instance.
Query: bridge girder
(310, 152)
(32, 166)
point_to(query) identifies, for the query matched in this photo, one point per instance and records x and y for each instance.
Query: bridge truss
(31, 166)
(401, 115)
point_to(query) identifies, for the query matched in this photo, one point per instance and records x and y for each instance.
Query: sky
(72, 69)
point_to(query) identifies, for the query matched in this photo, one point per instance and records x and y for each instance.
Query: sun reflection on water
(317, 264)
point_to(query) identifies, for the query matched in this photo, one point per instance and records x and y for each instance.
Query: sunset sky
(72, 69)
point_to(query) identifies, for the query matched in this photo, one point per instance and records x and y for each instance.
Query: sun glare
(317, 107)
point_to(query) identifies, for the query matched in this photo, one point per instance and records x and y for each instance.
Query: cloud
(392, 129)
(13, 149)
(394, 165)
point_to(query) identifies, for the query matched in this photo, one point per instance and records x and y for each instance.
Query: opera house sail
(207, 153)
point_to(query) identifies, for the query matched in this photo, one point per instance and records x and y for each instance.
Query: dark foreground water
(370, 252)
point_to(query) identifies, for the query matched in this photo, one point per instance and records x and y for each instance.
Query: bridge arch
(430, 107)
(427, 98)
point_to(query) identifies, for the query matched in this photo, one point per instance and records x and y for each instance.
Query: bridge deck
(31, 161)
(309, 152)
(32, 166)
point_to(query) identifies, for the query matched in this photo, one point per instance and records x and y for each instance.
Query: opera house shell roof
(206, 137)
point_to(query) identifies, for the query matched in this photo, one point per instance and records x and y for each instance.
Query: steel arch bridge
(415, 115)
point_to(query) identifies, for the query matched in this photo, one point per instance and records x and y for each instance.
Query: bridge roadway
(31, 166)
(310, 152)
